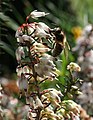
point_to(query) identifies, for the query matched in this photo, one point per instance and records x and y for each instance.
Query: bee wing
(66, 49)
(66, 44)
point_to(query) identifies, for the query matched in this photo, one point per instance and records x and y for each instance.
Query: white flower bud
(35, 14)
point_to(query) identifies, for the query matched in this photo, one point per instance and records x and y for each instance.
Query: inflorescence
(38, 48)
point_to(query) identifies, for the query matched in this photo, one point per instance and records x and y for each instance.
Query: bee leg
(54, 45)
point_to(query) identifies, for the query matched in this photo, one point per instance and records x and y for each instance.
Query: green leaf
(8, 21)
(7, 48)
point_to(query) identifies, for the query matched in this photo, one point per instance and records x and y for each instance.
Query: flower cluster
(84, 49)
(73, 67)
(85, 99)
(77, 31)
(38, 49)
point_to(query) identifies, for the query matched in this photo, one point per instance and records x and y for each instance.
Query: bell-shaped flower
(24, 70)
(54, 97)
(43, 26)
(35, 14)
(40, 48)
(55, 94)
(41, 33)
(49, 113)
(71, 106)
(31, 115)
(20, 53)
(31, 28)
(22, 82)
(38, 103)
(45, 67)
(19, 71)
(27, 38)
(18, 33)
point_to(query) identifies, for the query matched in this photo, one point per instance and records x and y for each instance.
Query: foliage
(83, 10)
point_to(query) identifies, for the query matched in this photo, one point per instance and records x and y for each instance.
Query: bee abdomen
(57, 50)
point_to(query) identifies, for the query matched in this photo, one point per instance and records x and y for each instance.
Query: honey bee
(60, 42)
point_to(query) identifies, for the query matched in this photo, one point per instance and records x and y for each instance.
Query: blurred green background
(63, 13)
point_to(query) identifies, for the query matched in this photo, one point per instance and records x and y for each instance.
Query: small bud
(78, 93)
(73, 67)
(69, 95)
(74, 87)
